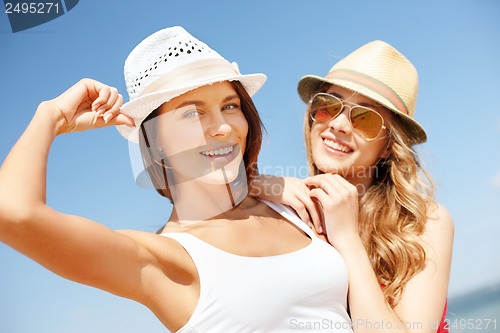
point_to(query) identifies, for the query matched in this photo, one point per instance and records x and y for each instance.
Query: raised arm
(71, 246)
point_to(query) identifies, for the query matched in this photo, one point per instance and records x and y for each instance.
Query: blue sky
(455, 45)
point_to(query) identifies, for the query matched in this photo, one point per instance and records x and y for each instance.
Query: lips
(337, 146)
(218, 152)
(220, 155)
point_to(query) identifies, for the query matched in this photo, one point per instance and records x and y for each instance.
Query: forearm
(261, 186)
(369, 310)
(23, 173)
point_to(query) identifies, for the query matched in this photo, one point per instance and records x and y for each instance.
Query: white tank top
(302, 290)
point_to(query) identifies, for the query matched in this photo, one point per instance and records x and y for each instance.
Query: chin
(331, 168)
(219, 177)
(230, 173)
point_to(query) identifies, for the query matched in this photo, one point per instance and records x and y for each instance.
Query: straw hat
(168, 64)
(380, 72)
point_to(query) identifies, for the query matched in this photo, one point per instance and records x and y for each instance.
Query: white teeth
(337, 146)
(220, 151)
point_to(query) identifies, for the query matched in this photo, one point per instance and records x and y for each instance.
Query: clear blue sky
(455, 44)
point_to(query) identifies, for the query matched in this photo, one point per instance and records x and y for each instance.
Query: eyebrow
(198, 103)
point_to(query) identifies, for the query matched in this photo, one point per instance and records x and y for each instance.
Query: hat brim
(309, 85)
(139, 108)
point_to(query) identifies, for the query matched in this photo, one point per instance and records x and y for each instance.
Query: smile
(337, 146)
(218, 152)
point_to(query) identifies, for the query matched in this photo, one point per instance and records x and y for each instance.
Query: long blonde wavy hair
(393, 211)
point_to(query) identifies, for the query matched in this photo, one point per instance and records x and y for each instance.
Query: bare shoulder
(439, 222)
(438, 235)
(170, 283)
(166, 251)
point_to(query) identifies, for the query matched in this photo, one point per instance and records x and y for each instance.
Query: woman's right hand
(87, 105)
(339, 201)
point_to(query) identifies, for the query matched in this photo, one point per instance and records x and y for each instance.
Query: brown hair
(156, 165)
(393, 211)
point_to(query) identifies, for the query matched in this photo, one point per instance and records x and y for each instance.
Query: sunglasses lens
(324, 108)
(367, 123)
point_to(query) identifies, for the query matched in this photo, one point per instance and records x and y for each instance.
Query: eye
(191, 114)
(231, 107)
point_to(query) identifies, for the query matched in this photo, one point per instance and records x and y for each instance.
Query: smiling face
(202, 134)
(336, 148)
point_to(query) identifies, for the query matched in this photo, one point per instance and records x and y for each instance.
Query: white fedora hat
(168, 64)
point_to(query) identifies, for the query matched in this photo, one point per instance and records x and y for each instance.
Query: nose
(341, 123)
(218, 126)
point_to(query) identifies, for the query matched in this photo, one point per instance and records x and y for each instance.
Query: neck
(198, 201)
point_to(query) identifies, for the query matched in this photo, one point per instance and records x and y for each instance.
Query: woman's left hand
(339, 201)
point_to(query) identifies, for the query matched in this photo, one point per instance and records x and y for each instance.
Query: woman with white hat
(377, 206)
(225, 262)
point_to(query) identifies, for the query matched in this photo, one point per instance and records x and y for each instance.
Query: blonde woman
(376, 201)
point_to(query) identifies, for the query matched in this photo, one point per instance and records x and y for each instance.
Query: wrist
(48, 113)
(348, 243)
